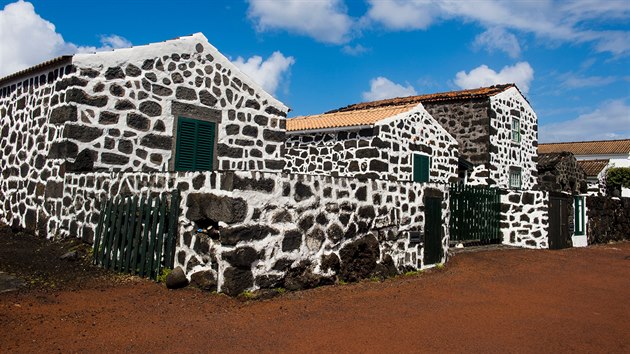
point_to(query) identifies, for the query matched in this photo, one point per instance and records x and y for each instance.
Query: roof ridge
(60, 58)
(379, 108)
(33, 68)
(438, 96)
(585, 141)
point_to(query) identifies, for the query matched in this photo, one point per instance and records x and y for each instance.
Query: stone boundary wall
(524, 218)
(270, 230)
(608, 219)
(560, 172)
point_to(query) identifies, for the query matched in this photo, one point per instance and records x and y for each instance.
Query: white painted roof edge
(185, 44)
(516, 92)
(419, 108)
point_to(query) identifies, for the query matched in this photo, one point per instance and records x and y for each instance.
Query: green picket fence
(475, 213)
(137, 235)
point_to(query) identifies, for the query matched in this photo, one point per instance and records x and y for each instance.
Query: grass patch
(163, 275)
(413, 273)
(248, 295)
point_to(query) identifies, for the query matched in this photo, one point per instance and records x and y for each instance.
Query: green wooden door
(433, 230)
(194, 150)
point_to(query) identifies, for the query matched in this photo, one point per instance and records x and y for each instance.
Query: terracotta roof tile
(593, 167)
(346, 119)
(368, 113)
(433, 97)
(588, 147)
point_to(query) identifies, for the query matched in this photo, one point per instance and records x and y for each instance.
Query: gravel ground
(500, 300)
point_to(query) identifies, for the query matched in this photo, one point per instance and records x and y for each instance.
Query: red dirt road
(573, 300)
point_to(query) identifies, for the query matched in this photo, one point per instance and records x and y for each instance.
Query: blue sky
(570, 58)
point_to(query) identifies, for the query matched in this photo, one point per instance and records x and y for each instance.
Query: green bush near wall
(617, 177)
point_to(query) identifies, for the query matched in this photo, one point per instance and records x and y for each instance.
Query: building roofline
(481, 92)
(16, 76)
(584, 141)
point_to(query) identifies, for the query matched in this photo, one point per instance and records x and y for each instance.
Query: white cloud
(610, 121)
(577, 21)
(520, 73)
(497, 38)
(403, 14)
(267, 73)
(572, 81)
(382, 88)
(27, 39)
(107, 43)
(354, 50)
(324, 20)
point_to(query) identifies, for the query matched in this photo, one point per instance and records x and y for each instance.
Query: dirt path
(489, 301)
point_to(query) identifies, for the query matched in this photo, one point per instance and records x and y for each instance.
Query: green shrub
(163, 274)
(617, 177)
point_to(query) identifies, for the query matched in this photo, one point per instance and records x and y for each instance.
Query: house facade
(495, 127)
(178, 105)
(400, 143)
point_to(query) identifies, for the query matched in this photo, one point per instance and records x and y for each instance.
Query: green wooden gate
(138, 236)
(475, 213)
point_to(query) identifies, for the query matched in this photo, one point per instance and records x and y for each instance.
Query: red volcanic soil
(501, 300)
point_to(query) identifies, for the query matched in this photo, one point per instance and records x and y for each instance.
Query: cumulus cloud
(609, 121)
(497, 38)
(382, 88)
(404, 14)
(577, 21)
(27, 39)
(267, 73)
(326, 21)
(520, 73)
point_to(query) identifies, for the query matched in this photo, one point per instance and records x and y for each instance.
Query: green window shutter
(421, 167)
(205, 146)
(185, 146)
(194, 150)
(516, 130)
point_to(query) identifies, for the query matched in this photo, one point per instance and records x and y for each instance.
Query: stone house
(400, 143)
(78, 131)
(495, 127)
(595, 157)
(179, 105)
